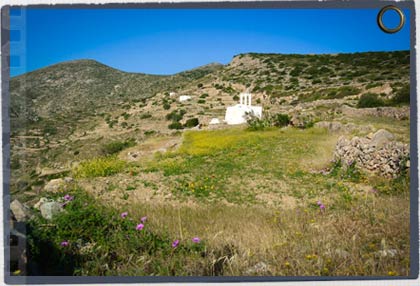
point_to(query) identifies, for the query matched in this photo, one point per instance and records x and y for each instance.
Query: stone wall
(377, 152)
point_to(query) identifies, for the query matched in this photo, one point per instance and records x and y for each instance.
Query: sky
(167, 41)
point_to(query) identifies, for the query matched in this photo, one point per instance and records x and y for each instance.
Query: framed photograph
(210, 142)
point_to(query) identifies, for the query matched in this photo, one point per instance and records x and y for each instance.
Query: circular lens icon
(380, 19)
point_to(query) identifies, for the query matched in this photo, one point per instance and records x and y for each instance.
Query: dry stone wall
(378, 153)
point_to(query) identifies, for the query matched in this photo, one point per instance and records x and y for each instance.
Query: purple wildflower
(143, 219)
(375, 191)
(140, 226)
(124, 214)
(64, 243)
(321, 207)
(68, 197)
(196, 239)
(318, 203)
(175, 243)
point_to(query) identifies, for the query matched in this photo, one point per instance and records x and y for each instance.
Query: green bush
(166, 105)
(201, 101)
(175, 125)
(117, 146)
(402, 96)
(281, 120)
(99, 167)
(257, 124)
(370, 100)
(145, 115)
(176, 115)
(204, 95)
(192, 122)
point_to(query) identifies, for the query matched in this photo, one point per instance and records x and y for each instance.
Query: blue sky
(173, 40)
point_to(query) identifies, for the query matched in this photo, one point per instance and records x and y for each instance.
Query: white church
(237, 114)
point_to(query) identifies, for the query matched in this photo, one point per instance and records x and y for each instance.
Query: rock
(37, 206)
(54, 185)
(259, 268)
(50, 209)
(342, 253)
(381, 137)
(19, 211)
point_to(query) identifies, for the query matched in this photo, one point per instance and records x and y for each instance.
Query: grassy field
(261, 202)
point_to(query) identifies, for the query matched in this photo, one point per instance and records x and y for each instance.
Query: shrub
(99, 167)
(145, 115)
(149, 132)
(200, 85)
(201, 101)
(402, 96)
(256, 124)
(235, 97)
(117, 146)
(175, 125)
(370, 100)
(166, 105)
(192, 122)
(175, 115)
(204, 95)
(280, 120)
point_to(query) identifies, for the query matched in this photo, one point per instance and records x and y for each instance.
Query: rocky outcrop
(377, 153)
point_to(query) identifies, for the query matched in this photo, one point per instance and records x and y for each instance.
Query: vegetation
(315, 217)
(370, 100)
(92, 239)
(99, 167)
(175, 125)
(192, 122)
(117, 146)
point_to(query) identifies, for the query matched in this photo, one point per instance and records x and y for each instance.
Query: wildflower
(375, 191)
(143, 219)
(64, 243)
(321, 207)
(140, 226)
(318, 203)
(68, 197)
(392, 273)
(196, 239)
(124, 214)
(287, 264)
(175, 243)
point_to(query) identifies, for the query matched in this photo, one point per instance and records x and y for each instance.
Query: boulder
(20, 211)
(54, 185)
(41, 201)
(50, 209)
(381, 137)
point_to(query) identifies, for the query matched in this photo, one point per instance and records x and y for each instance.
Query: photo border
(353, 4)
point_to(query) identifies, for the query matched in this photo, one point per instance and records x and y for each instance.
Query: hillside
(323, 176)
